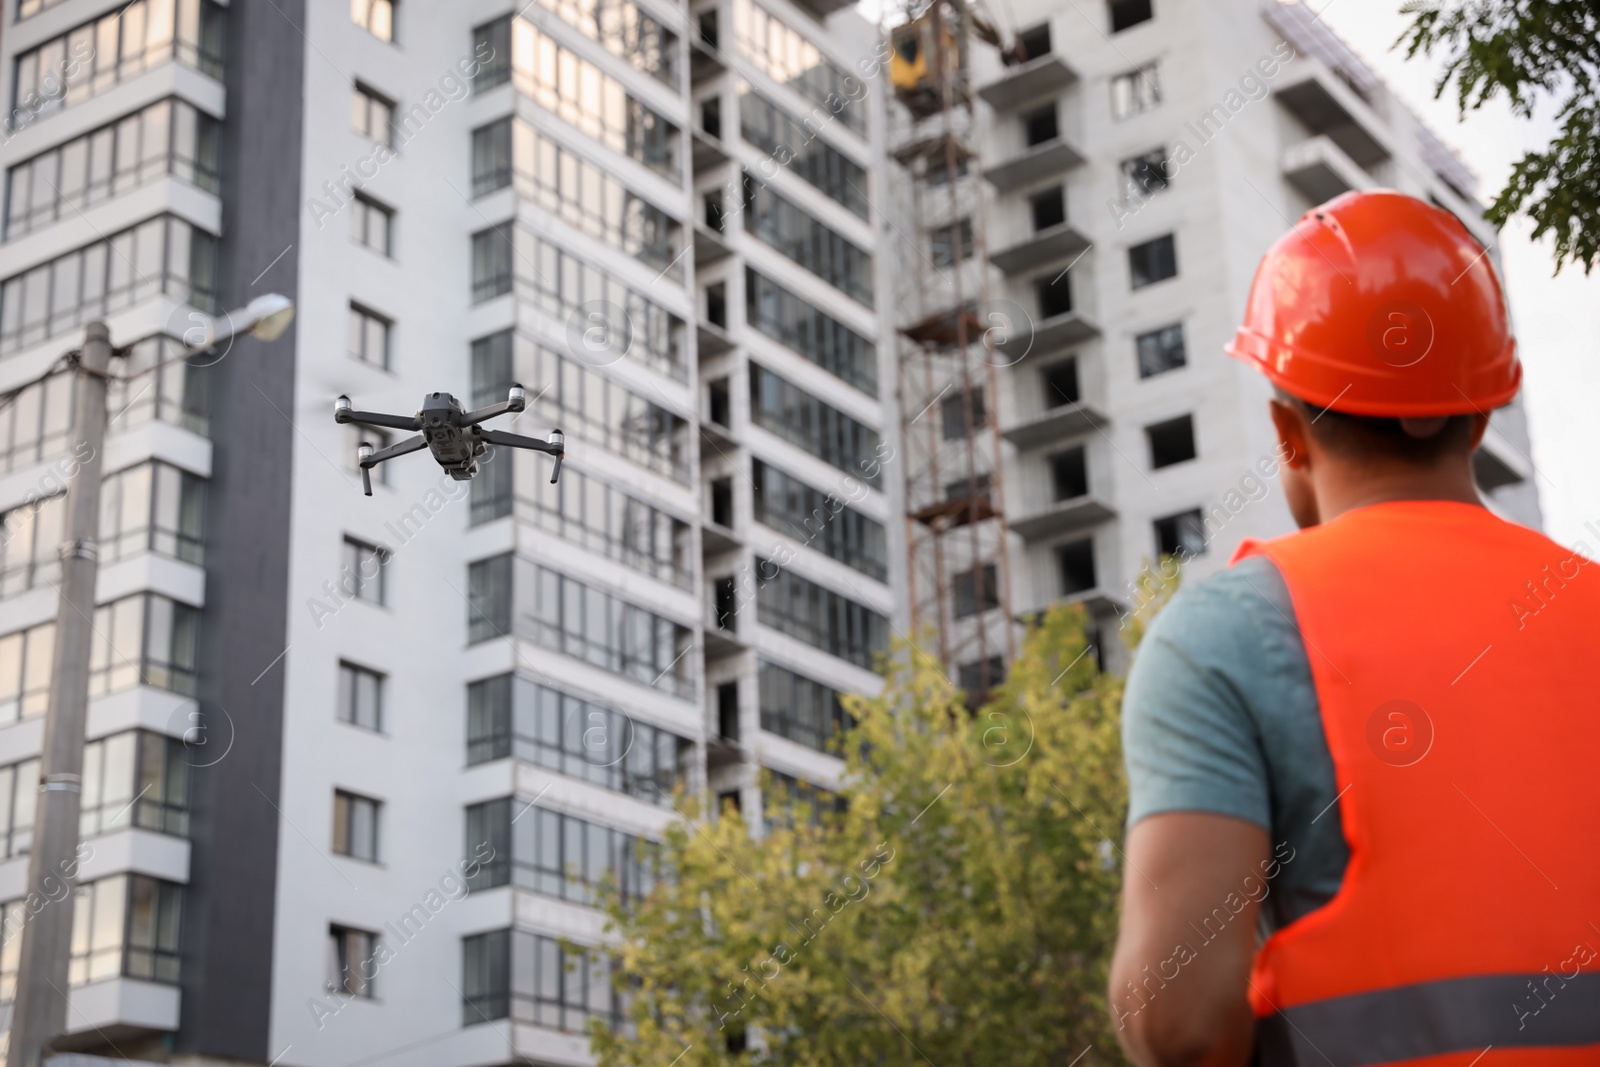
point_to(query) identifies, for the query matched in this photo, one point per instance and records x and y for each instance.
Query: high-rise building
(357, 766)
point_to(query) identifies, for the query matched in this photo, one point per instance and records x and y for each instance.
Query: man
(1376, 740)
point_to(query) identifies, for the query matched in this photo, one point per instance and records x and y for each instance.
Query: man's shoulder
(1228, 613)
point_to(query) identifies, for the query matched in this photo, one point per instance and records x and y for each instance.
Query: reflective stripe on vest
(1456, 659)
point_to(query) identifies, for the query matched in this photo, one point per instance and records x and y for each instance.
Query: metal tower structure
(951, 338)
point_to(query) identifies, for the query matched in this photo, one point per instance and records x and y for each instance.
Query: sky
(1556, 317)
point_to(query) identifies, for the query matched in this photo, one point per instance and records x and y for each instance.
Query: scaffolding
(957, 540)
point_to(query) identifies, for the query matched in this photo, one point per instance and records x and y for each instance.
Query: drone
(449, 431)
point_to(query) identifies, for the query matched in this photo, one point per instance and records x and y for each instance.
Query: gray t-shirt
(1220, 715)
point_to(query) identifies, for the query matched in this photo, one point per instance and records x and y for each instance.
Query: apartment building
(358, 765)
(1136, 166)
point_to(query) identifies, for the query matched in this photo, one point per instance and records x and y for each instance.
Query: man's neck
(1340, 490)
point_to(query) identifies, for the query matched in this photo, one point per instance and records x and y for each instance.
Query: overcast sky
(1557, 319)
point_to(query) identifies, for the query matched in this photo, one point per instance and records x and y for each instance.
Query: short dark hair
(1374, 437)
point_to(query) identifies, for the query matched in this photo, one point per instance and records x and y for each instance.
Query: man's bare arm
(1191, 894)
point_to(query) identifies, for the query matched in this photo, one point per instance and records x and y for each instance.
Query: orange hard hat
(1377, 303)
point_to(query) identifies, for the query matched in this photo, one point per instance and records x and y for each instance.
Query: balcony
(821, 9)
(1027, 81)
(707, 152)
(1056, 424)
(705, 62)
(716, 539)
(1326, 105)
(1051, 244)
(1062, 330)
(709, 247)
(711, 339)
(1032, 163)
(1321, 170)
(1063, 517)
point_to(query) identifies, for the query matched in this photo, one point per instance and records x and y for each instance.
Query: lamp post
(39, 1013)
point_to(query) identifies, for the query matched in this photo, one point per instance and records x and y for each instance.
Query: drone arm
(367, 458)
(343, 413)
(556, 446)
(516, 400)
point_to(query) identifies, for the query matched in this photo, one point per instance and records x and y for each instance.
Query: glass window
(19, 790)
(352, 961)
(355, 826)
(784, 226)
(555, 854)
(976, 590)
(360, 696)
(946, 243)
(372, 115)
(153, 507)
(788, 58)
(365, 571)
(372, 225)
(488, 599)
(159, 386)
(374, 16)
(29, 551)
(824, 431)
(1161, 350)
(369, 336)
(820, 520)
(491, 157)
(144, 639)
(818, 616)
(1135, 91)
(625, 30)
(962, 411)
(25, 666)
(775, 132)
(126, 926)
(1153, 261)
(485, 977)
(795, 707)
(138, 779)
(491, 264)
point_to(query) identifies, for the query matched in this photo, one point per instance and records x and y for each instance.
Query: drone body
(449, 431)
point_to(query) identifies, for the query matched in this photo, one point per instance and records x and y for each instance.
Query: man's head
(1336, 461)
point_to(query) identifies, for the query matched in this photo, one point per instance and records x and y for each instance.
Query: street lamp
(39, 1013)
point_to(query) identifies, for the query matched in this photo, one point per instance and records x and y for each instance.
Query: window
(372, 115)
(1035, 42)
(554, 854)
(804, 711)
(1153, 261)
(378, 439)
(1061, 383)
(29, 548)
(591, 199)
(1135, 91)
(162, 633)
(168, 137)
(360, 696)
(783, 226)
(818, 616)
(374, 16)
(1069, 473)
(491, 265)
(976, 590)
(1055, 295)
(126, 926)
(1145, 174)
(369, 336)
(524, 720)
(1128, 13)
(351, 961)
(775, 132)
(962, 411)
(355, 826)
(588, 405)
(138, 779)
(159, 386)
(785, 795)
(980, 676)
(820, 520)
(626, 31)
(1048, 208)
(160, 255)
(153, 507)
(364, 571)
(538, 980)
(790, 59)
(558, 283)
(95, 56)
(37, 424)
(371, 225)
(1077, 567)
(810, 332)
(488, 599)
(1182, 535)
(590, 624)
(494, 38)
(1040, 126)
(19, 792)
(25, 666)
(490, 495)
(950, 244)
(822, 430)
(1160, 350)
(1171, 441)
(728, 711)
(578, 92)
(491, 157)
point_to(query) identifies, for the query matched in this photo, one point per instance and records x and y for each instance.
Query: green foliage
(1527, 49)
(960, 908)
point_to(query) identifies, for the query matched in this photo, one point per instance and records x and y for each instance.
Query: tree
(959, 906)
(1527, 49)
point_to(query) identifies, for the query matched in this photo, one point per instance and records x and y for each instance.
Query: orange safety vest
(1456, 659)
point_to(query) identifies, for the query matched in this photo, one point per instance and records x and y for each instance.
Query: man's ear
(1293, 434)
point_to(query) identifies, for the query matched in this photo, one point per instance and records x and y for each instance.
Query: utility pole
(40, 1011)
